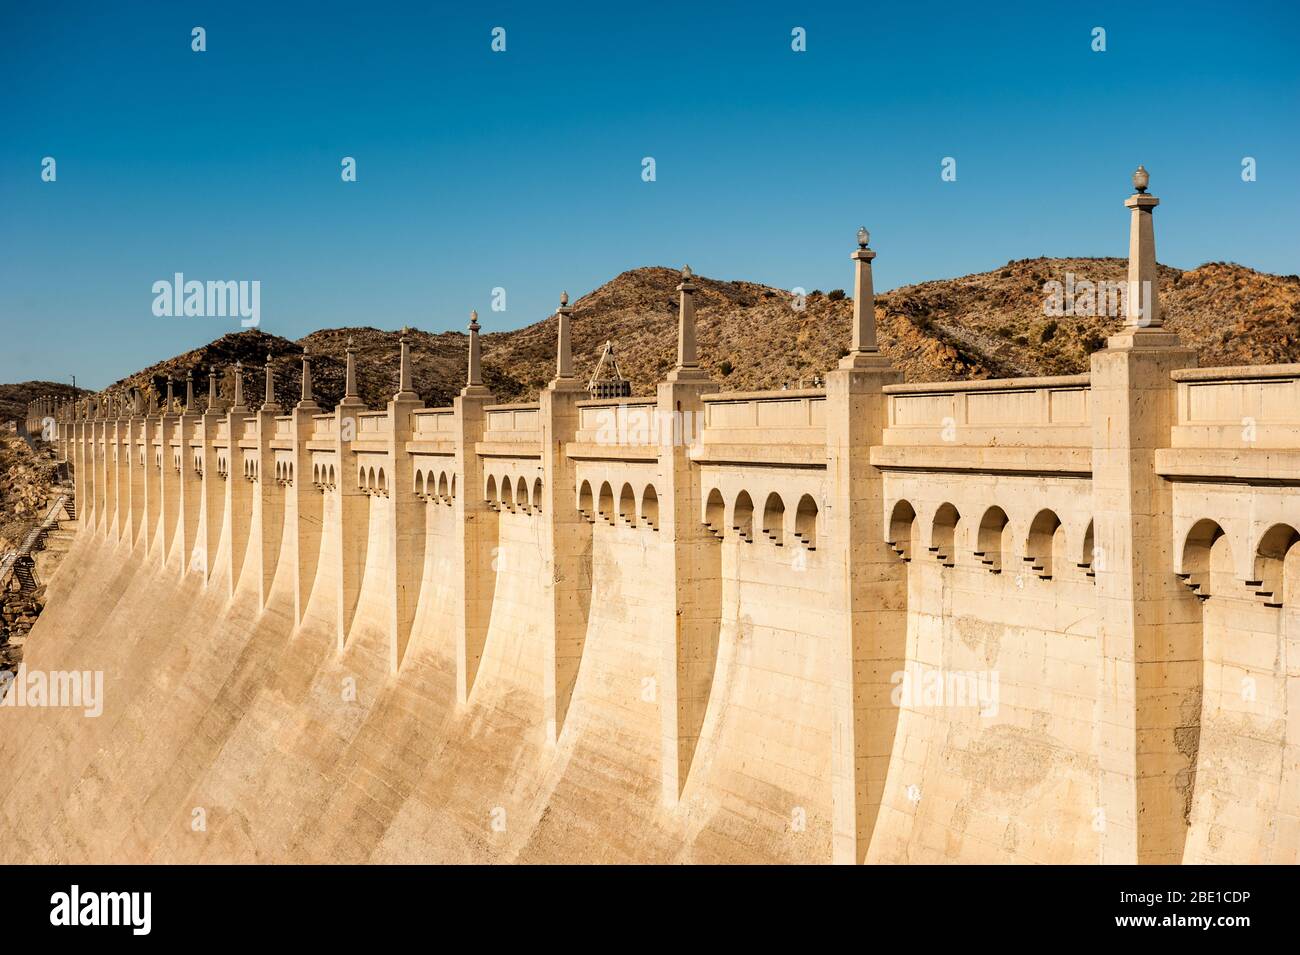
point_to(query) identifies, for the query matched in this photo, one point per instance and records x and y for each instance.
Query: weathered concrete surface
(213, 706)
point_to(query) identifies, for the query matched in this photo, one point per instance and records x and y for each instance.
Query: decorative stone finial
(350, 396)
(475, 378)
(563, 340)
(404, 390)
(305, 398)
(863, 351)
(688, 364)
(1142, 303)
(239, 387)
(269, 402)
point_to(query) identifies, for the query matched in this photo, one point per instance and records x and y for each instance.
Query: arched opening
(521, 494)
(627, 505)
(1270, 565)
(1088, 562)
(490, 492)
(714, 513)
(650, 507)
(943, 535)
(902, 530)
(453, 487)
(1045, 538)
(331, 476)
(442, 486)
(742, 517)
(774, 519)
(586, 507)
(537, 495)
(507, 494)
(805, 522)
(419, 483)
(383, 482)
(988, 545)
(1203, 559)
(605, 506)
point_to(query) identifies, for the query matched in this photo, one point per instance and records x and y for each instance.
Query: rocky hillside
(752, 337)
(15, 398)
(27, 481)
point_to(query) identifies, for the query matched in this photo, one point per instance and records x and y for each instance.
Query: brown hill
(751, 337)
(15, 398)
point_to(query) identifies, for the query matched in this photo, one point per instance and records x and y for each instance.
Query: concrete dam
(1047, 620)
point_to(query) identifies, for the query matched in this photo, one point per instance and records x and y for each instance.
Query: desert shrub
(835, 294)
(725, 367)
(1047, 332)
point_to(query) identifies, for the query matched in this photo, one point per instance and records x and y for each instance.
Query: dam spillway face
(1047, 620)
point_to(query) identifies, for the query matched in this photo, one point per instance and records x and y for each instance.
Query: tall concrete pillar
(476, 525)
(79, 466)
(566, 536)
(406, 511)
(270, 499)
(213, 487)
(121, 459)
(304, 504)
(239, 487)
(693, 574)
(150, 434)
(866, 583)
(136, 466)
(169, 478)
(1148, 624)
(103, 517)
(190, 484)
(353, 510)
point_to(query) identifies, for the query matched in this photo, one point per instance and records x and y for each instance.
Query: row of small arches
(372, 480)
(1207, 566)
(441, 489)
(511, 494)
(629, 508)
(775, 523)
(284, 472)
(994, 542)
(322, 476)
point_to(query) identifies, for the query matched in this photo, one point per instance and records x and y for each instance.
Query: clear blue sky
(522, 169)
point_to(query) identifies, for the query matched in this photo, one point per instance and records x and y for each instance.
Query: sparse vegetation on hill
(991, 324)
(14, 398)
